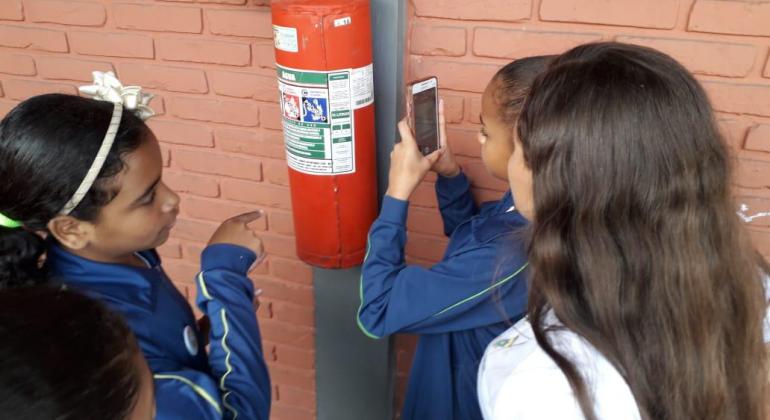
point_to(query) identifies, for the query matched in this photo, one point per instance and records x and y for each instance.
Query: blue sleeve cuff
(228, 257)
(394, 210)
(458, 183)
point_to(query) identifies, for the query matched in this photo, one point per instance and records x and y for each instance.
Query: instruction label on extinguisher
(318, 124)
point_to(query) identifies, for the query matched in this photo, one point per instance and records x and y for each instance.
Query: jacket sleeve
(225, 295)
(187, 394)
(466, 291)
(455, 201)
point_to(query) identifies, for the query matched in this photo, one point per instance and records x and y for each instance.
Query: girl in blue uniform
(460, 304)
(85, 175)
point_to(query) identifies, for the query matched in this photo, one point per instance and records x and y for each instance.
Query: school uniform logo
(190, 340)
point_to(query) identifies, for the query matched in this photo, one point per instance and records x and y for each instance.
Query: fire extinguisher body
(324, 66)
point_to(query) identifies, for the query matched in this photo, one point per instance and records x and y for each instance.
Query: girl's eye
(150, 199)
(483, 132)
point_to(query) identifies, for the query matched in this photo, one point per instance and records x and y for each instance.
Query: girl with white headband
(82, 203)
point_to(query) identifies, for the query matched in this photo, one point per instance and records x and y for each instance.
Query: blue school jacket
(229, 382)
(457, 306)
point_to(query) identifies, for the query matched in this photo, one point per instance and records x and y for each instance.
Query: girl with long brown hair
(647, 300)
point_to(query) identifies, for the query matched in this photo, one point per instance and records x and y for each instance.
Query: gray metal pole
(355, 375)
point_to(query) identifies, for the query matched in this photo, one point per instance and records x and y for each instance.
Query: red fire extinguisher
(323, 57)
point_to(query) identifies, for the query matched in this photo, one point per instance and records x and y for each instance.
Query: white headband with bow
(107, 87)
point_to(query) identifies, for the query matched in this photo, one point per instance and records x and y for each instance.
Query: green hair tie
(6, 221)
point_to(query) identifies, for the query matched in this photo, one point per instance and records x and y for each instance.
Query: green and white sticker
(317, 109)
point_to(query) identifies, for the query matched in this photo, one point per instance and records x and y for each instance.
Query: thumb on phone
(406, 134)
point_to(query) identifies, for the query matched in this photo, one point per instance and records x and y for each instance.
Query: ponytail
(20, 258)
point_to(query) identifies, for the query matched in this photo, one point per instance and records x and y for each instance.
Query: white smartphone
(423, 97)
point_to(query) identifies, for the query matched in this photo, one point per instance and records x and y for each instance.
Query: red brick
(218, 211)
(11, 10)
(266, 143)
(21, 65)
(452, 74)
(67, 12)
(735, 60)
(218, 164)
(767, 68)
(474, 110)
(6, 107)
(279, 411)
(480, 176)
(463, 141)
(165, 153)
(181, 271)
(759, 138)
(733, 131)
(282, 246)
(291, 356)
(64, 68)
(752, 99)
(285, 333)
(248, 23)
(429, 39)
(244, 85)
(33, 38)
(192, 252)
(182, 133)
(424, 195)
(23, 89)
(454, 107)
(757, 210)
(281, 223)
(291, 270)
(286, 291)
(158, 104)
(202, 51)
(427, 221)
(193, 230)
(426, 247)
(518, 43)
(171, 249)
(158, 18)
(661, 14)
(112, 44)
(296, 397)
(256, 193)
(753, 173)
(264, 54)
(761, 240)
(228, 112)
(502, 10)
(209, 1)
(277, 172)
(731, 17)
(173, 79)
(184, 182)
(271, 116)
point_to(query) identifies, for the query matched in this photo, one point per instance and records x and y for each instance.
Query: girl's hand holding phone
(445, 165)
(408, 166)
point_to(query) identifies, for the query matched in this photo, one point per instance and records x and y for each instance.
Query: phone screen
(425, 120)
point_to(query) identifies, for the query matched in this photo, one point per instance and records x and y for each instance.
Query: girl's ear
(71, 232)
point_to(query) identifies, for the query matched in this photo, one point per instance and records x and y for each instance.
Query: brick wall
(725, 43)
(210, 63)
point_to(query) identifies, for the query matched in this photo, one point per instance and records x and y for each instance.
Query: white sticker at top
(342, 21)
(285, 38)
